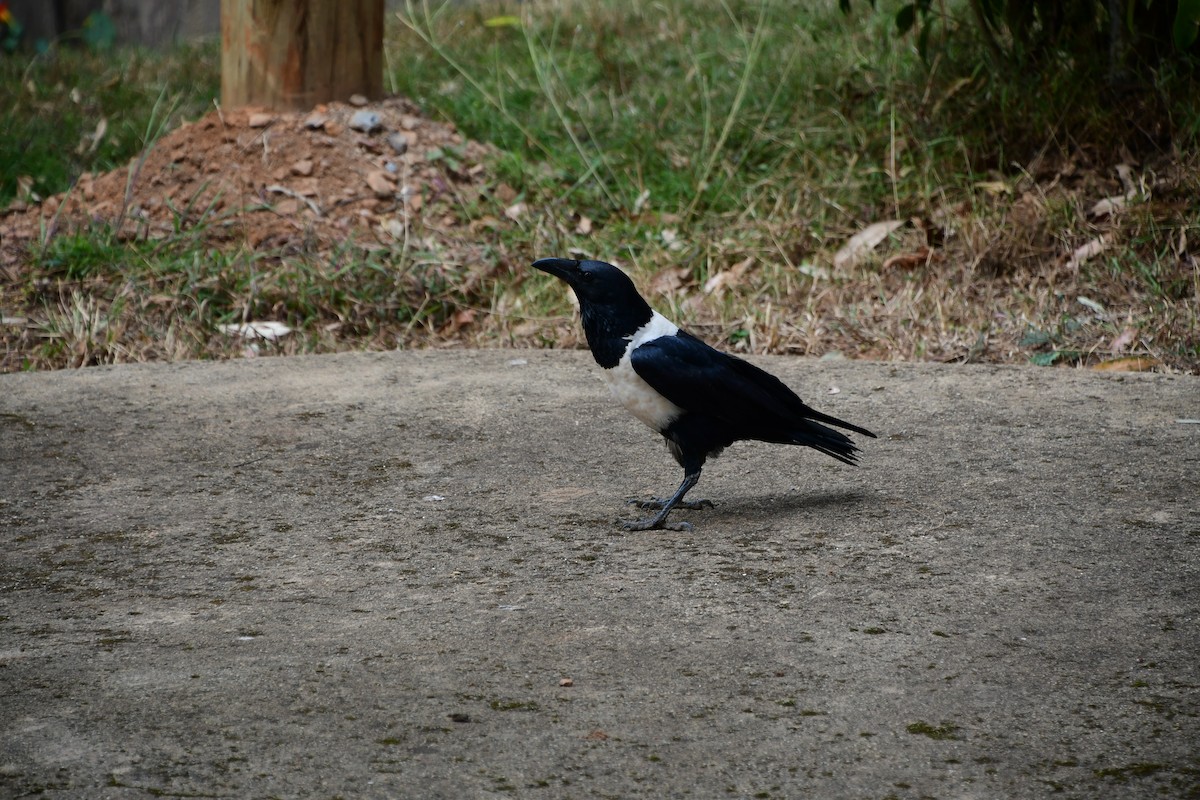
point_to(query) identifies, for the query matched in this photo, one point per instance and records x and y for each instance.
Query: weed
(937, 732)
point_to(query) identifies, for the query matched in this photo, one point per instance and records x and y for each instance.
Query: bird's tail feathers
(828, 420)
(828, 441)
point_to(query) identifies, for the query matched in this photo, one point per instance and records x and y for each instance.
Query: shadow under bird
(700, 399)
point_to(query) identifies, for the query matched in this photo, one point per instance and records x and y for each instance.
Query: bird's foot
(659, 502)
(654, 524)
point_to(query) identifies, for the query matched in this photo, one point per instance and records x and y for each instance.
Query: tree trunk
(293, 54)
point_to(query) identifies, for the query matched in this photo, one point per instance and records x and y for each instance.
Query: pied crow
(700, 399)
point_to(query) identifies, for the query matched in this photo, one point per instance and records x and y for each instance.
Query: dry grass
(988, 280)
(723, 155)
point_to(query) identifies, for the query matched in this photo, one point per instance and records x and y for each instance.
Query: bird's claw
(649, 525)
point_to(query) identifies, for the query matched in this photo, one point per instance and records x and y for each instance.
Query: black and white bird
(700, 399)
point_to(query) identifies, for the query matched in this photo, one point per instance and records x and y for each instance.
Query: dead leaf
(1125, 174)
(728, 278)
(919, 258)
(1090, 250)
(101, 129)
(584, 226)
(515, 211)
(670, 280)
(303, 167)
(1128, 364)
(864, 242)
(260, 120)
(268, 330)
(1109, 206)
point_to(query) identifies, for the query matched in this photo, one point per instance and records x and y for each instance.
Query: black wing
(747, 400)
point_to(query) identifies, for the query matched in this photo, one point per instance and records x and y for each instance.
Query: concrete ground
(402, 575)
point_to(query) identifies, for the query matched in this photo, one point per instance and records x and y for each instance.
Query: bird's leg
(659, 521)
(659, 502)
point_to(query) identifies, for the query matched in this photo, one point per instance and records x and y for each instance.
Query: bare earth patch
(275, 180)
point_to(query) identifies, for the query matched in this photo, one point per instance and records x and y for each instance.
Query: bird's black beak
(565, 268)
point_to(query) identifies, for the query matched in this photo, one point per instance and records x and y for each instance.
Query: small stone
(303, 167)
(381, 183)
(358, 100)
(566, 682)
(316, 121)
(370, 145)
(409, 121)
(398, 142)
(306, 187)
(365, 121)
(260, 120)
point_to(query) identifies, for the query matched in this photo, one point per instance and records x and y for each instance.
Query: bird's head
(594, 282)
(609, 303)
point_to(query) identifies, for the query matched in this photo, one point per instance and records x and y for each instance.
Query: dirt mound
(374, 174)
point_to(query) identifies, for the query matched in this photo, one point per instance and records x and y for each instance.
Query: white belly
(654, 410)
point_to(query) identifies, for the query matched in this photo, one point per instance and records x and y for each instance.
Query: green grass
(709, 107)
(53, 105)
(687, 140)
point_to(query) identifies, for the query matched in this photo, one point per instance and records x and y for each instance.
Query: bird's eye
(586, 277)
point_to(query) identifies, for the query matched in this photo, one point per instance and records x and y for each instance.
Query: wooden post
(293, 54)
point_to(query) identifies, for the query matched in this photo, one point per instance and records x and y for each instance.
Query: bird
(700, 399)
